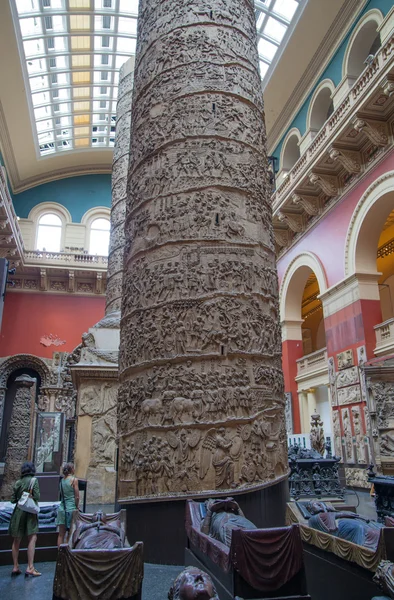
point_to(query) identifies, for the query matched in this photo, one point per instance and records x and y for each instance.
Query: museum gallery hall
(197, 299)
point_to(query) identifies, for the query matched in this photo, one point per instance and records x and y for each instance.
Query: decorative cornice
(328, 47)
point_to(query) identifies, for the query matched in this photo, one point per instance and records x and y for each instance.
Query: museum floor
(157, 582)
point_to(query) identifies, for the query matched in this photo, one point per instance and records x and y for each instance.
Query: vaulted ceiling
(296, 37)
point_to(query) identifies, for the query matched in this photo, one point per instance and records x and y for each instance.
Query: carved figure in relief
(358, 434)
(347, 377)
(219, 452)
(336, 427)
(387, 444)
(348, 435)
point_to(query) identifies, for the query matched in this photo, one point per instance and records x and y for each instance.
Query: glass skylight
(72, 51)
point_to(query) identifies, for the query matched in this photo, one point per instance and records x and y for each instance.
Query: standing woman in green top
(23, 523)
(69, 501)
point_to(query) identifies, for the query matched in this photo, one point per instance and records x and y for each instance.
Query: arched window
(49, 233)
(291, 153)
(99, 237)
(363, 45)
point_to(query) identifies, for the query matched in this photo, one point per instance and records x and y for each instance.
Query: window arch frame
(325, 84)
(46, 208)
(294, 132)
(99, 212)
(372, 15)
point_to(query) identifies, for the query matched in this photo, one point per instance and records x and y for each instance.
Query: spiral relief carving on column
(201, 402)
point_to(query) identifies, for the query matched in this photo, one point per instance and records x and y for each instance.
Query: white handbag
(26, 502)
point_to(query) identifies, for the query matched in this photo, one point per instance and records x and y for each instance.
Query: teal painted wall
(333, 71)
(77, 194)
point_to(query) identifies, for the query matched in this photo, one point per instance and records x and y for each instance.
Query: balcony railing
(384, 337)
(312, 364)
(373, 75)
(64, 259)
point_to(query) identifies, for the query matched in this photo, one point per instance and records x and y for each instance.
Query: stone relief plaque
(347, 435)
(349, 395)
(332, 381)
(201, 405)
(345, 359)
(348, 376)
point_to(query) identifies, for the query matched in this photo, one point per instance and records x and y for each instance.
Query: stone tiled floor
(157, 582)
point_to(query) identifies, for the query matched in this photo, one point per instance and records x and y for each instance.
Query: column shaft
(201, 403)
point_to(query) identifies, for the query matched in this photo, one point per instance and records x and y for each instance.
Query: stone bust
(193, 584)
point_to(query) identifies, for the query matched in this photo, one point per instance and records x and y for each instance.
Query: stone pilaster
(201, 402)
(19, 433)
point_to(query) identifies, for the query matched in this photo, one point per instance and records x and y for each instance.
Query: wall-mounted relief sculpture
(348, 435)
(332, 381)
(357, 478)
(201, 402)
(346, 377)
(336, 430)
(349, 395)
(345, 359)
(359, 435)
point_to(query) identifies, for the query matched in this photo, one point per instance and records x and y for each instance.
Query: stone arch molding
(293, 132)
(293, 284)
(374, 15)
(24, 361)
(326, 84)
(370, 213)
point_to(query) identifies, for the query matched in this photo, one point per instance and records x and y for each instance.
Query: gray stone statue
(222, 517)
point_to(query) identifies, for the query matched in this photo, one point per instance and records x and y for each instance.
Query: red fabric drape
(268, 558)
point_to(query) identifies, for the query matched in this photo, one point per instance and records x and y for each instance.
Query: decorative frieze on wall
(345, 359)
(201, 403)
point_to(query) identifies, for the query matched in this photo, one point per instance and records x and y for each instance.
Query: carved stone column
(201, 402)
(120, 168)
(95, 375)
(18, 433)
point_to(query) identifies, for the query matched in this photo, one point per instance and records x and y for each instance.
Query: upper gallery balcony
(356, 135)
(384, 338)
(41, 271)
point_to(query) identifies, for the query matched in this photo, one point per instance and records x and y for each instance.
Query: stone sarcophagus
(201, 402)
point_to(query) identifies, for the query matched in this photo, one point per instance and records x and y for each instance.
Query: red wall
(28, 317)
(327, 240)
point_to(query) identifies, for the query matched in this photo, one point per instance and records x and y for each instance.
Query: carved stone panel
(19, 433)
(349, 395)
(97, 416)
(345, 359)
(348, 376)
(336, 430)
(201, 402)
(347, 435)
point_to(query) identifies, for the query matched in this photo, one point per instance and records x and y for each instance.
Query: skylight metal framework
(71, 53)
